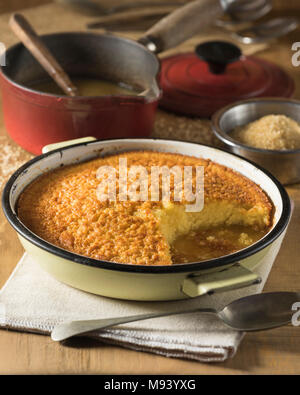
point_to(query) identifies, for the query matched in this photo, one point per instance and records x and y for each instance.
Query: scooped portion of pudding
(145, 219)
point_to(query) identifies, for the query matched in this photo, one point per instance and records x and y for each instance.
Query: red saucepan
(34, 119)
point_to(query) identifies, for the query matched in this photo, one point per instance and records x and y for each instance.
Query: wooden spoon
(25, 32)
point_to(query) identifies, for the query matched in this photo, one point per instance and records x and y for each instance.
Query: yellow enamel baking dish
(138, 282)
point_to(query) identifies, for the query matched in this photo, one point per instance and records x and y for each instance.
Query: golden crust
(62, 207)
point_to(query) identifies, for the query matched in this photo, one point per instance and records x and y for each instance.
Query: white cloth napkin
(33, 301)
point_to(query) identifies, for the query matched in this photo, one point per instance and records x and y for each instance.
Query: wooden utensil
(98, 8)
(128, 17)
(25, 32)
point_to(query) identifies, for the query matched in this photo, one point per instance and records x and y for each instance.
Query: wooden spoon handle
(25, 32)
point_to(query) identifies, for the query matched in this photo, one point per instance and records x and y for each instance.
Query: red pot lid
(194, 86)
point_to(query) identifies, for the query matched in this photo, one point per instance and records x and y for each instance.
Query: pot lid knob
(218, 54)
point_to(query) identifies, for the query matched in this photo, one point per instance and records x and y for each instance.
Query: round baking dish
(138, 282)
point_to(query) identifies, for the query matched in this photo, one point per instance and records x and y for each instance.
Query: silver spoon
(251, 313)
(267, 30)
(245, 10)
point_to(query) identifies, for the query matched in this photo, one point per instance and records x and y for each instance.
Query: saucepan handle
(182, 24)
(233, 277)
(62, 144)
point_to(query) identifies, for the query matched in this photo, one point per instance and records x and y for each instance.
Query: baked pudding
(63, 207)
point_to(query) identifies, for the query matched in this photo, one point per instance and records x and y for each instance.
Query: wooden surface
(276, 351)
(13, 5)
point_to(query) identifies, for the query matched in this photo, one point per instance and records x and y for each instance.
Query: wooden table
(276, 351)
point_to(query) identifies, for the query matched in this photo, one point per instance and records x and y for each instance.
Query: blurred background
(13, 5)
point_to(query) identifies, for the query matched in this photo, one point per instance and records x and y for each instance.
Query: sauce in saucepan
(87, 87)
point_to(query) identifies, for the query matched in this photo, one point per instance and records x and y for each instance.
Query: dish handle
(233, 277)
(62, 144)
